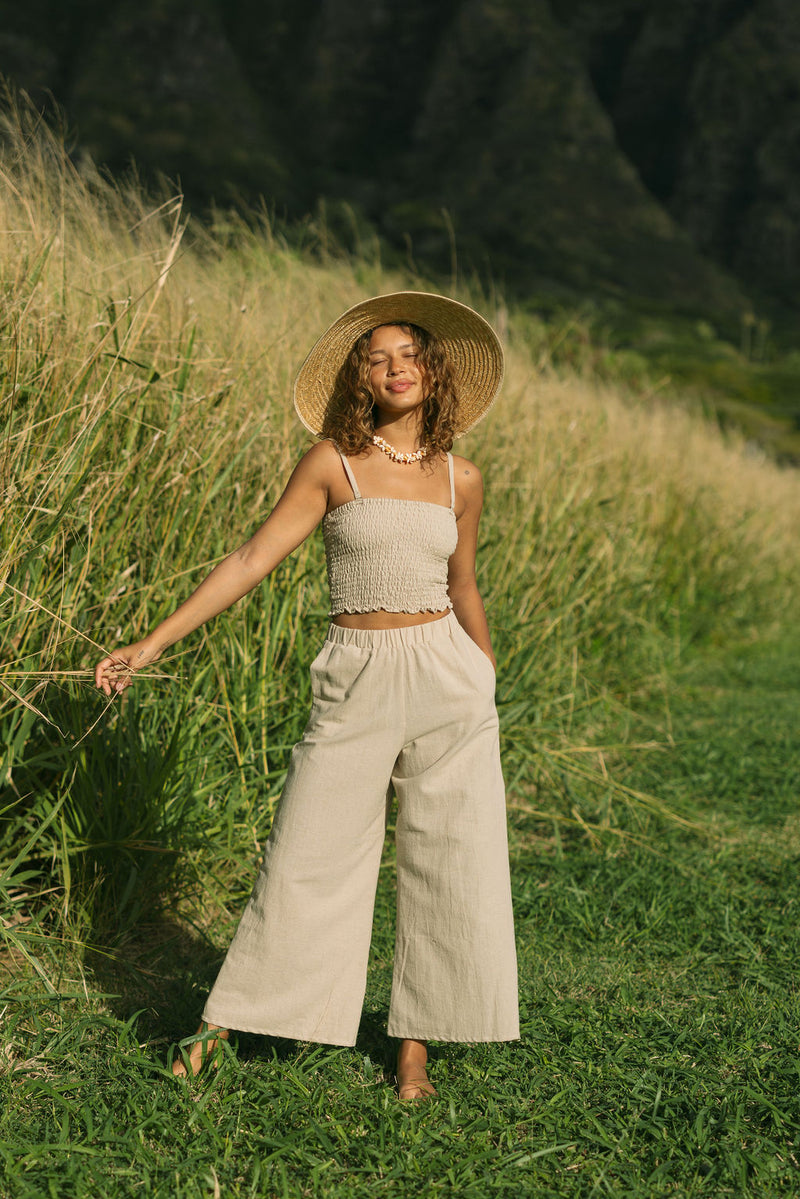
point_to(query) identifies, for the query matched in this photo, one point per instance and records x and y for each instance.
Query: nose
(395, 365)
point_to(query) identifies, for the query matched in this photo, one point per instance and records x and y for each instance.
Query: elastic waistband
(414, 634)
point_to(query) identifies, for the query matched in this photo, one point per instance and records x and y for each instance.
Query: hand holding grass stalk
(115, 672)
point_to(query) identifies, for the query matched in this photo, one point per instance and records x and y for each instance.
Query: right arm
(296, 514)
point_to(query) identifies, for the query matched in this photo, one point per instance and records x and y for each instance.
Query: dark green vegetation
(598, 145)
(659, 1054)
(746, 375)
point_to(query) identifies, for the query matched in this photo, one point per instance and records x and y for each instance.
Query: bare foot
(200, 1050)
(412, 1076)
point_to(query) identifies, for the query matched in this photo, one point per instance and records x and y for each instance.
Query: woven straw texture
(470, 341)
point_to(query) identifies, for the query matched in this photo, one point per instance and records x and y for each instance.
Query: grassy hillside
(626, 547)
(744, 373)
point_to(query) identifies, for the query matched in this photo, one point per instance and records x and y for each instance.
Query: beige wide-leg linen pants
(411, 711)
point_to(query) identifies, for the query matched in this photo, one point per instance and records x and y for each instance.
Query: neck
(403, 432)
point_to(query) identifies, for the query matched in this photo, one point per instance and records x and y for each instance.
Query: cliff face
(606, 145)
(539, 173)
(705, 100)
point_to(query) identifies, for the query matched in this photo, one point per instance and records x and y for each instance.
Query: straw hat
(470, 342)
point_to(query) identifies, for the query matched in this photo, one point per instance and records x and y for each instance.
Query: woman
(403, 702)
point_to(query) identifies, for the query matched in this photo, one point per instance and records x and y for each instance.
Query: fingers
(113, 675)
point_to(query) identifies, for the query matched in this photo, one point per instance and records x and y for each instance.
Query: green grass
(659, 1052)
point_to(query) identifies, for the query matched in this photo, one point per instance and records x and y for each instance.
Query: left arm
(461, 582)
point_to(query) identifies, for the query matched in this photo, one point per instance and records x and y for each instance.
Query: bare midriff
(385, 620)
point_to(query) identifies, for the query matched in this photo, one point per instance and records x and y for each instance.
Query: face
(396, 378)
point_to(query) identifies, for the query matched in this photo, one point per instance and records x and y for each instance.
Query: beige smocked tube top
(387, 554)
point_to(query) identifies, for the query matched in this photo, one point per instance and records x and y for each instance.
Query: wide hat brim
(469, 341)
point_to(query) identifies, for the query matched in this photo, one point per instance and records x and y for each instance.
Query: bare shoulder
(319, 462)
(469, 487)
(468, 478)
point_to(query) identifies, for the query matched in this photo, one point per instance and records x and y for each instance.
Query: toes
(415, 1094)
(415, 1089)
(195, 1054)
(189, 1065)
(180, 1069)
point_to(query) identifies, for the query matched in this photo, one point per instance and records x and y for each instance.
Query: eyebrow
(408, 345)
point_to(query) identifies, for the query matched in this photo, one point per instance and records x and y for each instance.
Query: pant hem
(450, 1039)
(286, 1034)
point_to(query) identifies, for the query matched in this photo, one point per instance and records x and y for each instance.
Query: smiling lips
(400, 385)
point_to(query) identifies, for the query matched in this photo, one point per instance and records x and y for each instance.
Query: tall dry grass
(146, 372)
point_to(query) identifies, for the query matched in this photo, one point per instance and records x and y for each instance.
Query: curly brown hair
(350, 416)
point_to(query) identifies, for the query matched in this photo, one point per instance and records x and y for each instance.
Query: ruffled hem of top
(384, 608)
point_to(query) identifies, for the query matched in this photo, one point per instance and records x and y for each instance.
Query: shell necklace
(396, 455)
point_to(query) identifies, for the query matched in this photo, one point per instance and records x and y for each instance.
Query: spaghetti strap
(452, 482)
(348, 470)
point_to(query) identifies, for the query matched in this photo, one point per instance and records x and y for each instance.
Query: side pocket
(482, 662)
(335, 671)
(317, 668)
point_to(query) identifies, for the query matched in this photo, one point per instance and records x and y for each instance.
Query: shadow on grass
(372, 1043)
(160, 971)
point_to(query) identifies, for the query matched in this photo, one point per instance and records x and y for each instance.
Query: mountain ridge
(614, 147)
